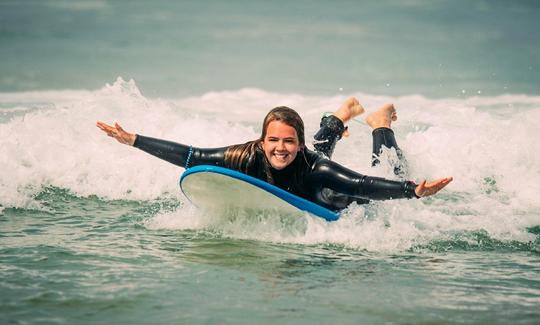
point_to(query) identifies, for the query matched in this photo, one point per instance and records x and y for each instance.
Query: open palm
(118, 133)
(429, 188)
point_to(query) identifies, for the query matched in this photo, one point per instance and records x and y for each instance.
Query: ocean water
(92, 231)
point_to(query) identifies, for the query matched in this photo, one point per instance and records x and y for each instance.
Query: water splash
(486, 143)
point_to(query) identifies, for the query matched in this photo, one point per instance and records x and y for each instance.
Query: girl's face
(280, 144)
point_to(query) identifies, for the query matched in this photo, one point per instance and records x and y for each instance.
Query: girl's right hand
(118, 133)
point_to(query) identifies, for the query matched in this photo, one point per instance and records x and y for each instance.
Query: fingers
(441, 183)
(111, 131)
(119, 128)
(117, 132)
(106, 128)
(435, 187)
(102, 126)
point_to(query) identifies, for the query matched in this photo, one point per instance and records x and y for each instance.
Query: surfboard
(221, 189)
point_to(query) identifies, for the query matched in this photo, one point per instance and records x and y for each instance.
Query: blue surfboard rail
(290, 198)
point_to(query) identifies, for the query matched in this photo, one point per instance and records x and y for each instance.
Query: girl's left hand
(429, 188)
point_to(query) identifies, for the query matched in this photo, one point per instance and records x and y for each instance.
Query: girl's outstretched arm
(329, 174)
(176, 153)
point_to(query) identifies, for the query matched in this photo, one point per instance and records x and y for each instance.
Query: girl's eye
(288, 141)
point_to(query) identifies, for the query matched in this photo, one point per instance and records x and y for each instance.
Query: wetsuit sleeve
(179, 154)
(329, 174)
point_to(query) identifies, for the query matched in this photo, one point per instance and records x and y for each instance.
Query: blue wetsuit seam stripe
(190, 153)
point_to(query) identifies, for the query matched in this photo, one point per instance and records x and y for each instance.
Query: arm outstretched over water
(179, 155)
(175, 153)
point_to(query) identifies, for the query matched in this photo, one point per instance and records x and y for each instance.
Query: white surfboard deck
(220, 189)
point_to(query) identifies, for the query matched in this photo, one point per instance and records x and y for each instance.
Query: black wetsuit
(312, 175)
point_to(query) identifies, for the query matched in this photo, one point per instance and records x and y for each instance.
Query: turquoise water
(95, 232)
(105, 265)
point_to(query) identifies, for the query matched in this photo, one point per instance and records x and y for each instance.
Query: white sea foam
(488, 144)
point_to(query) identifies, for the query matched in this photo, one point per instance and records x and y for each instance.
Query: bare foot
(383, 117)
(349, 109)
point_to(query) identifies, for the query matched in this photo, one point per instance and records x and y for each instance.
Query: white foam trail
(488, 144)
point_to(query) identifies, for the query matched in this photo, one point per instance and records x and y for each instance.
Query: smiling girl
(280, 157)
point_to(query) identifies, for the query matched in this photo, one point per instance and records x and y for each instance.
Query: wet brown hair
(240, 156)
